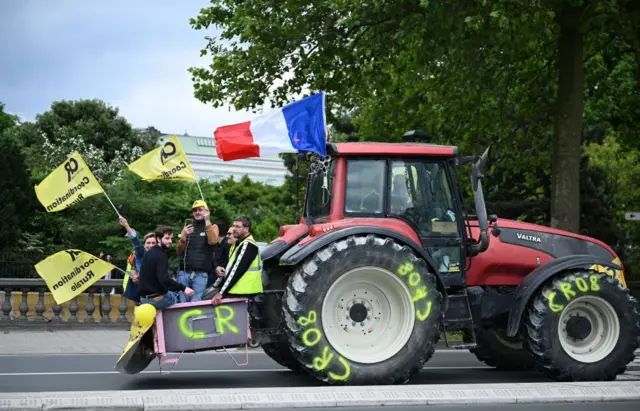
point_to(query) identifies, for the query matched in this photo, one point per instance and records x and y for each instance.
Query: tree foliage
(31, 150)
(536, 80)
(471, 73)
(16, 204)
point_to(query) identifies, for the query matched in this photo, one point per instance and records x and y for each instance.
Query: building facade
(201, 152)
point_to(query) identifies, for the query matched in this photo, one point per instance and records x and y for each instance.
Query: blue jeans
(169, 299)
(198, 284)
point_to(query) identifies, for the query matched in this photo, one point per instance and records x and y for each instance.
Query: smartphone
(188, 221)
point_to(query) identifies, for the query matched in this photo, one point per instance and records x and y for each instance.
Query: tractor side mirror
(478, 196)
(478, 168)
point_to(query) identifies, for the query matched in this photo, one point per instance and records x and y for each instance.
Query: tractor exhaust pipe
(481, 210)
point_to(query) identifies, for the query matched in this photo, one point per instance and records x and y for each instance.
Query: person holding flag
(134, 262)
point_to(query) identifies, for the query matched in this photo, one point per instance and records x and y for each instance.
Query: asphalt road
(215, 370)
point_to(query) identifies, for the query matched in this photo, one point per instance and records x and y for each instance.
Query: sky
(132, 54)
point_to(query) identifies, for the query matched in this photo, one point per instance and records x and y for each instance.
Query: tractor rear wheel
(363, 311)
(582, 326)
(501, 352)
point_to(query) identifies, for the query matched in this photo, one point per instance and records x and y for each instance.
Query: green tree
(470, 73)
(622, 168)
(17, 202)
(268, 207)
(106, 140)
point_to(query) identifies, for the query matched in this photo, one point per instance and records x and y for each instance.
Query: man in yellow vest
(243, 273)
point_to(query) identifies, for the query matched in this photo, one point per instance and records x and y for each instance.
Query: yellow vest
(251, 280)
(233, 247)
(372, 192)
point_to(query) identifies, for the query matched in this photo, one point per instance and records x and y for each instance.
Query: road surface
(617, 406)
(87, 372)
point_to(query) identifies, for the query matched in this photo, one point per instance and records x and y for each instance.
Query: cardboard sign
(201, 326)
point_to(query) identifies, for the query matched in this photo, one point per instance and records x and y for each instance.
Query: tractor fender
(278, 247)
(532, 282)
(298, 253)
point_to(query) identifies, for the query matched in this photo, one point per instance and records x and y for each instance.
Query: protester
(243, 273)
(156, 287)
(220, 261)
(221, 253)
(134, 262)
(196, 246)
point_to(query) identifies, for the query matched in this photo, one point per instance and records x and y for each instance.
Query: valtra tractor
(384, 261)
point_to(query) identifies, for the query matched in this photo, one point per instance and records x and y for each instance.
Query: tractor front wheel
(362, 311)
(583, 326)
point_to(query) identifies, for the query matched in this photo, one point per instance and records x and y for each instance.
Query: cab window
(365, 187)
(319, 194)
(420, 193)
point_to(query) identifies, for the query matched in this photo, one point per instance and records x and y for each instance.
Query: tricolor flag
(296, 127)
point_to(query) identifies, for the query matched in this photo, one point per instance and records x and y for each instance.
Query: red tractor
(384, 262)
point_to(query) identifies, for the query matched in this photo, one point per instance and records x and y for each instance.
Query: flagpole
(122, 271)
(111, 202)
(199, 189)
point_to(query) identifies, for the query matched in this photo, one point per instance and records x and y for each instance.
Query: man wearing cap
(195, 248)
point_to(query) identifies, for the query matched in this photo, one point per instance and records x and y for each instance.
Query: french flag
(296, 127)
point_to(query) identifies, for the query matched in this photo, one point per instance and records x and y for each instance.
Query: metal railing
(21, 265)
(27, 302)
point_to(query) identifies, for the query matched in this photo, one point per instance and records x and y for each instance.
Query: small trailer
(185, 328)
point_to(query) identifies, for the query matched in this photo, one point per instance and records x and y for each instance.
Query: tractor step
(458, 318)
(460, 346)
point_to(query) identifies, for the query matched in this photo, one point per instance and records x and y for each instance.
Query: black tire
(493, 351)
(308, 287)
(543, 340)
(265, 312)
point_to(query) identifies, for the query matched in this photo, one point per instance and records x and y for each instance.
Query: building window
(205, 142)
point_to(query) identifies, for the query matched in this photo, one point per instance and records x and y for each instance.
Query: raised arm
(138, 247)
(213, 233)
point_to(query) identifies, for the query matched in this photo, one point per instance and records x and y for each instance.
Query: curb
(326, 397)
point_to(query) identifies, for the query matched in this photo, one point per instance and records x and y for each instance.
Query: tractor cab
(408, 190)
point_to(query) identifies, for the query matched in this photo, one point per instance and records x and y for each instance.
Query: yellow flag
(166, 162)
(71, 182)
(68, 273)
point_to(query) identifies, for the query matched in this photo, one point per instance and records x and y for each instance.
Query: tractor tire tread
(333, 257)
(540, 346)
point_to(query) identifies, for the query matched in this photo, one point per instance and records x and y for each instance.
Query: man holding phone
(195, 249)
